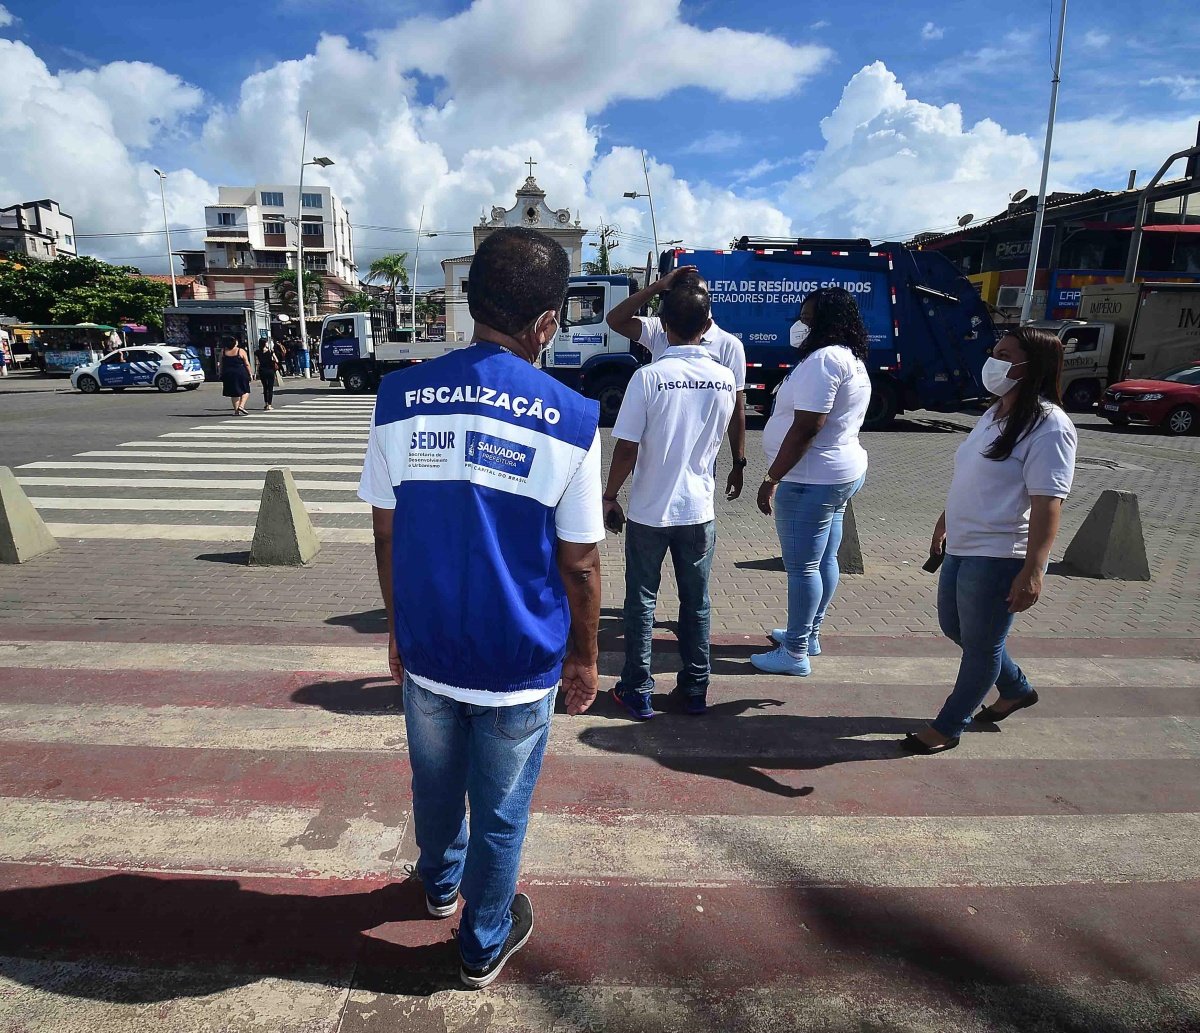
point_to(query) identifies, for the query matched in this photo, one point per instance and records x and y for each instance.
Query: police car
(157, 365)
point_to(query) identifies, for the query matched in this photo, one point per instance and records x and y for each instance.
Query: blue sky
(941, 106)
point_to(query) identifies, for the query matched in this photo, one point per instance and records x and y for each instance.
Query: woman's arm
(1044, 516)
(805, 426)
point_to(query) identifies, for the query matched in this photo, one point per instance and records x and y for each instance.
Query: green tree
(77, 290)
(393, 270)
(428, 311)
(283, 290)
(358, 302)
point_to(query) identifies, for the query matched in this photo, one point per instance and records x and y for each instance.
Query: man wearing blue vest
(484, 477)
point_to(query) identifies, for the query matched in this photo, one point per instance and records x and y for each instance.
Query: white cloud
(930, 32)
(142, 98)
(818, 26)
(7, 18)
(1181, 87)
(716, 141)
(1094, 39)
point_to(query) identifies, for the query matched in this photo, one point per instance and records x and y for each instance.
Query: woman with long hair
(235, 374)
(269, 365)
(817, 465)
(1011, 475)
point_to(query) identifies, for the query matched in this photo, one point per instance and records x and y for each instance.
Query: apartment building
(251, 236)
(37, 229)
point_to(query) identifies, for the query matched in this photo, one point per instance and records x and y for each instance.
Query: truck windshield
(584, 306)
(336, 328)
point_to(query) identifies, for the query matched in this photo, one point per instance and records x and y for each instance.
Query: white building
(37, 229)
(530, 211)
(251, 235)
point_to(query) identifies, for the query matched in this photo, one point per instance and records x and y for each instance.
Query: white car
(156, 365)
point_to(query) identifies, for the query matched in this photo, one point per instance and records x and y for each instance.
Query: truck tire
(1082, 396)
(1181, 421)
(609, 391)
(883, 407)
(357, 382)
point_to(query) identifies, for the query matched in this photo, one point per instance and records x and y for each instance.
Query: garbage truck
(929, 330)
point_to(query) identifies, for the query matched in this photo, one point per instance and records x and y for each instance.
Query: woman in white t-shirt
(817, 465)
(1010, 478)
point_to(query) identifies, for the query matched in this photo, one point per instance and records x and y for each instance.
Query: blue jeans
(490, 756)
(808, 518)
(691, 547)
(973, 613)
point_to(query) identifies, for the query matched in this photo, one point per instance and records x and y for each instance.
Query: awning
(1158, 227)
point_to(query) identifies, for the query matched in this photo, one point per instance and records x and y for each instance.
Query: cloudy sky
(756, 116)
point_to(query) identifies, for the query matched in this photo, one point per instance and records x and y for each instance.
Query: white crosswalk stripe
(202, 481)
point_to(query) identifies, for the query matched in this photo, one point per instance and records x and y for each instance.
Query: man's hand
(766, 494)
(1026, 589)
(580, 683)
(614, 516)
(733, 486)
(395, 664)
(665, 284)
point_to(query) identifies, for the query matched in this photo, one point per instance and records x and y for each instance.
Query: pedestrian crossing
(214, 832)
(204, 483)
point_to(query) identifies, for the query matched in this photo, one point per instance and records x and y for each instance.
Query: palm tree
(428, 310)
(360, 301)
(394, 270)
(283, 289)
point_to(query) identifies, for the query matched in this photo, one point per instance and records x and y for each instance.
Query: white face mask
(995, 376)
(798, 334)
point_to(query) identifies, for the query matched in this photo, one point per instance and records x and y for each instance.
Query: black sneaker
(522, 929)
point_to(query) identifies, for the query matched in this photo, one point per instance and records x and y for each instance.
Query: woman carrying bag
(267, 357)
(1010, 478)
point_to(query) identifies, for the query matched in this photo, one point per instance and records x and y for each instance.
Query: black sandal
(995, 717)
(911, 744)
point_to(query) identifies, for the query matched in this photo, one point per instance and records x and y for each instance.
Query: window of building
(310, 201)
(70, 242)
(313, 229)
(273, 226)
(272, 198)
(226, 219)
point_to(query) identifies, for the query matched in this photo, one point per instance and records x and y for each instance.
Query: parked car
(1170, 400)
(159, 366)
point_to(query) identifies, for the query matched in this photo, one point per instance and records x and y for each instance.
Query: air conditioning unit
(1010, 297)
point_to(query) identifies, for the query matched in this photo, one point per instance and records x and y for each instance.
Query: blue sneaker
(814, 640)
(780, 661)
(636, 704)
(694, 703)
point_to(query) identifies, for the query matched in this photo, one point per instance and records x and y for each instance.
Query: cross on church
(531, 164)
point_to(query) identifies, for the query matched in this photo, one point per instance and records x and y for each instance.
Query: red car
(1170, 400)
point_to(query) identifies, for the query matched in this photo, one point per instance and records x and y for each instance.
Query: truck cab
(588, 356)
(1087, 359)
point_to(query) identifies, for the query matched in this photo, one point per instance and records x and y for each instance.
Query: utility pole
(1040, 220)
(162, 193)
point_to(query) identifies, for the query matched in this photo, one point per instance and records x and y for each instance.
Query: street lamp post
(416, 267)
(162, 193)
(649, 197)
(324, 163)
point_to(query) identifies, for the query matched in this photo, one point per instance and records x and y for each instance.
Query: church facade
(531, 211)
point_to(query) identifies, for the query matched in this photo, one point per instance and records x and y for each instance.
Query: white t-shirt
(677, 410)
(720, 344)
(987, 511)
(831, 380)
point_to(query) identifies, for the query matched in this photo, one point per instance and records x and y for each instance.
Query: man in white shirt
(648, 331)
(668, 433)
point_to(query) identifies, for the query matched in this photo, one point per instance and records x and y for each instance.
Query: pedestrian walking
(648, 331)
(267, 360)
(668, 434)
(484, 477)
(1011, 476)
(817, 464)
(235, 374)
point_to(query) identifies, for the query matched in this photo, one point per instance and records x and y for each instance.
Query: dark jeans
(491, 757)
(973, 613)
(268, 386)
(691, 547)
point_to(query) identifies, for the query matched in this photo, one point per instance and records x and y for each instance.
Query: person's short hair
(685, 309)
(516, 275)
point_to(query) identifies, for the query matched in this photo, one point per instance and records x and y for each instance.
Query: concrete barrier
(1110, 544)
(283, 534)
(850, 556)
(23, 533)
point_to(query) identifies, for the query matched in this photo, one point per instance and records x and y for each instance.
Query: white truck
(360, 348)
(1125, 330)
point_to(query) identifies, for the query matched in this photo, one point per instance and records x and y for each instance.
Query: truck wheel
(88, 385)
(1180, 421)
(609, 392)
(1082, 396)
(357, 382)
(882, 409)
